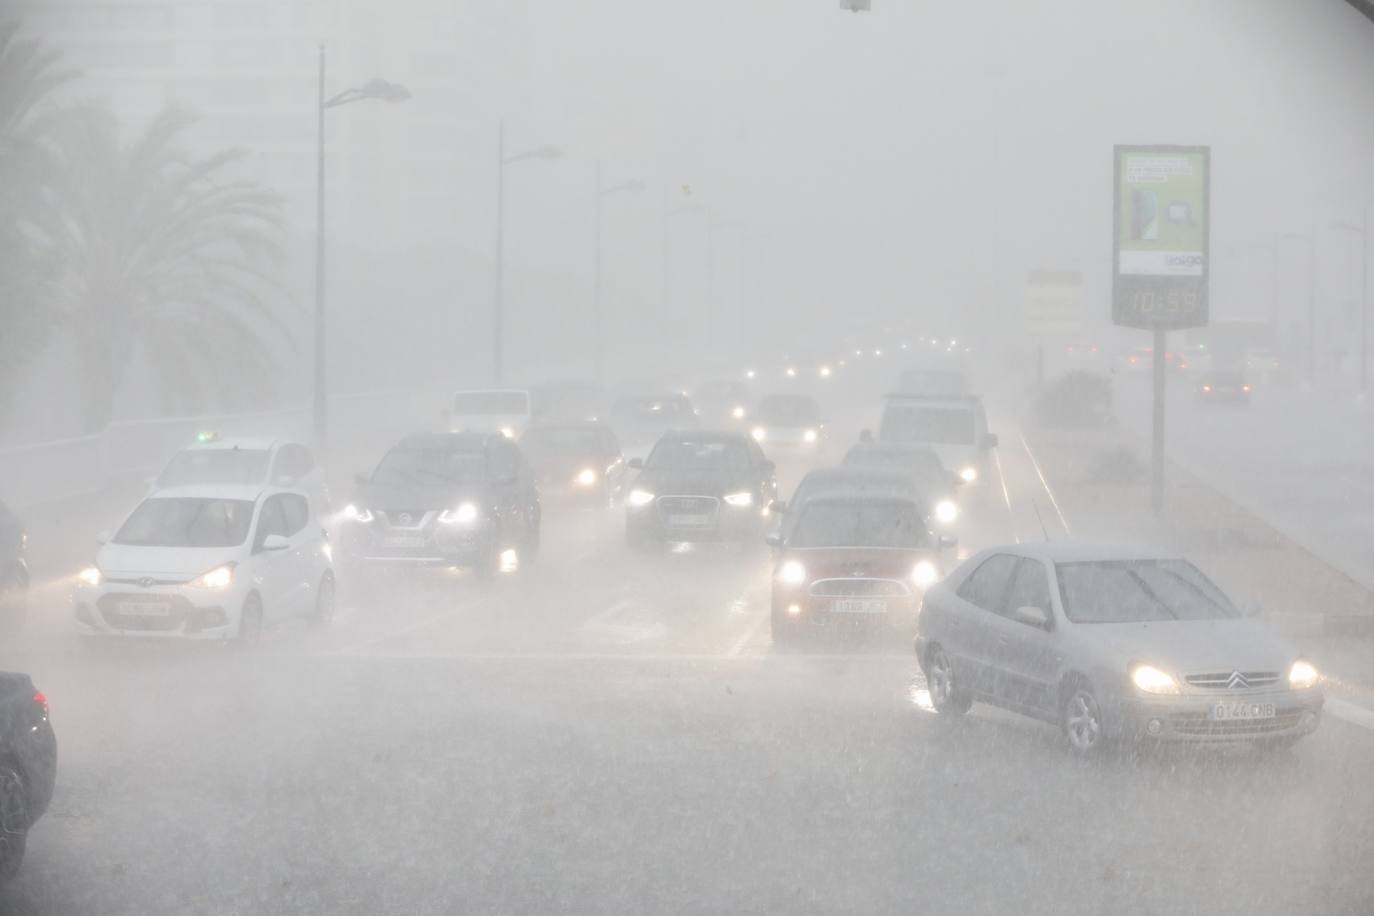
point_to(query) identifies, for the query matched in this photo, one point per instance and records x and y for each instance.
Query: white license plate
(688, 521)
(859, 606)
(404, 542)
(1225, 712)
(145, 609)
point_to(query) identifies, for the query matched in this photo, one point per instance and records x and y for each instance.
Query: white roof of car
(1087, 551)
(245, 443)
(249, 492)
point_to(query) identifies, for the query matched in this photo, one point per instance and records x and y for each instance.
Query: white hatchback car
(247, 461)
(209, 563)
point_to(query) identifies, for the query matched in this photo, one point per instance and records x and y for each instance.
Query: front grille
(1198, 725)
(405, 518)
(688, 505)
(110, 608)
(858, 588)
(1233, 680)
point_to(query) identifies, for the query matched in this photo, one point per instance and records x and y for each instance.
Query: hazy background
(861, 170)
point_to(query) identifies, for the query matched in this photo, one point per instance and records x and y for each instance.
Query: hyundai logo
(146, 582)
(1237, 681)
(404, 518)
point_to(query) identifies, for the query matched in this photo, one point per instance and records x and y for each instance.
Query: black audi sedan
(699, 486)
(446, 499)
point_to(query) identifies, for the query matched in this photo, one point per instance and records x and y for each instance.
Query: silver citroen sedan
(1111, 643)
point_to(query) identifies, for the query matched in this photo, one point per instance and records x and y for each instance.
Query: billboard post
(1161, 224)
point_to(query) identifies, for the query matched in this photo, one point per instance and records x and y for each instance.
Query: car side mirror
(948, 542)
(773, 539)
(989, 441)
(362, 477)
(635, 464)
(1033, 616)
(274, 542)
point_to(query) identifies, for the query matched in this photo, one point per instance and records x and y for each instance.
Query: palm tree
(29, 75)
(165, 260)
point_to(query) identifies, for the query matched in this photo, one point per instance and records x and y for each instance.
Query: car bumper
(726, 524)
(897, 611)
(159, 612)
(1189, 719)
(418, 547)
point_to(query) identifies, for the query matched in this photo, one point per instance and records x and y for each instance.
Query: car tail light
(41, 701)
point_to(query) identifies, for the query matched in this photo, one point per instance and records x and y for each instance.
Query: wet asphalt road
(614, 733)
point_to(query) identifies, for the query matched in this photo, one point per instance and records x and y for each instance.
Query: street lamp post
(1363, 231)
(498, 304)
(598, 350)
(1311, 298)
(373, 89)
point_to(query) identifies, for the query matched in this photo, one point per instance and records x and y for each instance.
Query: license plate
(688, 521)
(859, 606)
(401, 543)
(145, 609)
(1225, 712)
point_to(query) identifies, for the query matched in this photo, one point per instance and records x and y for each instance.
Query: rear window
(937, 425)
(482, 403)
(788, 411)
(562, 441)
(215, 466)
(860, 524)
(187, 522)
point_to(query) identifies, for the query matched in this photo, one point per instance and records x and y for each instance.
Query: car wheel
(325, 602)
(488, 563)
(945, 694)
(14, 820)
(250, 622)
(1082, 719)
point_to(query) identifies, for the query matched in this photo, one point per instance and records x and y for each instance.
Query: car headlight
(968, 473)
(220, 577)
(925, 574)
(357, 513)
(462, 514)
(825, 372)
(91, 576)
(759, 433)
(740, 500)
(737, 413)
(791, 372)
(1303, 675)
(1149, 679)
(508, 432)
(639, 498)
(809, 435)
(792, 573)
(586, 477)
(946, 511)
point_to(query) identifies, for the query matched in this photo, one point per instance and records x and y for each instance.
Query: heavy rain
(686, 456)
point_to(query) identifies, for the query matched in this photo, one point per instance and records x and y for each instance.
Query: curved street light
(380, 90)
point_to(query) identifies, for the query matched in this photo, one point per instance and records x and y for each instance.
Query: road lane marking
(1045, 483)
(1006, 496)
(1349, 712)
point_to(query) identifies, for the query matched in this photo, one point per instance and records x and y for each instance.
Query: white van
(490, 410)
(953, 427)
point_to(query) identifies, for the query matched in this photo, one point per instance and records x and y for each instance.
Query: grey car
(1110, 643)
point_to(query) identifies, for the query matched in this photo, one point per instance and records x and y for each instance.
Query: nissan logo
(1237, 681)
(146, 582)
(404, 518)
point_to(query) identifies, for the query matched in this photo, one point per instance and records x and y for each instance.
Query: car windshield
(437, 465)
(1133, 591)
(194, 466)
(813, 484)
(490, 403)
(698, 454)
(788, 411)
(187, 522)
(865, 523)
(935, 425)
(561, 441)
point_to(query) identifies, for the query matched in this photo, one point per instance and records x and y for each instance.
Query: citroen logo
(1237, 681)
(146, 582)
(404, 518)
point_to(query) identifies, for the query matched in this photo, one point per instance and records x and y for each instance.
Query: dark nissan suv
(446, 499)
(699, 486)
